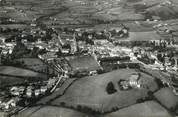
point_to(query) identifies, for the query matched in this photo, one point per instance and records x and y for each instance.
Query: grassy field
(167, 98)
(80, 63)
(59, 92)
(18, 72)
(143, 36)
(9, 81)
(31, 61)
(146, 109)
(51, 111)
(14, 26)
(90, 92)
(33, 64)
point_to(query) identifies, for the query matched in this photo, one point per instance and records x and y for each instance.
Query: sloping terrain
(51, 111)
(146, 109)
(14, 71)
(149, 108)
(167, 98)
(56, 12)
(91, 92)
(10, 80)
(89, 97)
(8, 72)
(165, 12)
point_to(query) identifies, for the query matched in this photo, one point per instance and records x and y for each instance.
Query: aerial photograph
(88, 58)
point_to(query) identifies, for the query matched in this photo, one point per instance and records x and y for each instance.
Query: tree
(110, 89)
(34, 52)
(19, 50)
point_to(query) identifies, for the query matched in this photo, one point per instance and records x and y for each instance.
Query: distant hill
(89, 11)
(165, 12)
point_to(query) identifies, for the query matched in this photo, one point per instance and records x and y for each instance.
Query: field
(14, 26)
(33, 64)
(9, 81)
(59, 92)
(167, 98)
(91, 92)
(164, 77)
(18, 72)
(50, 111)
(80, 63)
(143, 36)
(146, 109)
(31, 61)
(16, 15)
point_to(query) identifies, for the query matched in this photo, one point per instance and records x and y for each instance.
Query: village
(91, 57)
(83, 52)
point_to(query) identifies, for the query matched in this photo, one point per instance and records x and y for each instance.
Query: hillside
(91, 92)
(14, 75)
(88, 97)
(61, 12)
(149, 108)
(51, 111)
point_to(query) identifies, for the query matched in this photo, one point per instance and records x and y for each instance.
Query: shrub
(133, 65)
(114, 109)
(122, 66)
(62, 103)
(79, 107)
(150, 94)
(140, 100)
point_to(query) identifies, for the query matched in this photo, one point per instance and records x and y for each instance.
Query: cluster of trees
(89, 37)
(6, 21)
(110, 89)
(82, 108)
(147, 60)
(7, 61)
(124, 32)
(47, 36)
(107, 67)
(66, 30)
(9, 30)
(149, 44)
(170, 54)
(20, 50)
